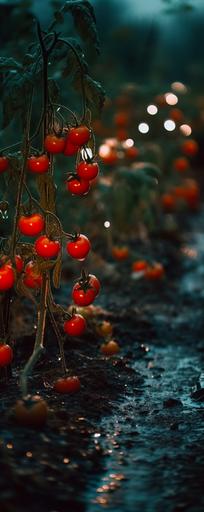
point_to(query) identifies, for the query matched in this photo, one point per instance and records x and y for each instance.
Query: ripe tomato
(190, 147)
(88, 170)
(110, 349)
(155, 272)
(79, 136)
(168, 202)
(7, 277)
(79, 247)
(181, 164)
(19, 263)
(120, 253)
(192, 194)
(47, 248)
(70, 149)
(31, 225)
(82, 297)
(121, 119)
(131, 153)
(32, 279)
(38, 164)
(139, 266)
(31, 412)
(104, 329)
(176, 114)
(4, 163)
(67, 385)
(94, 283)
(6, 355)
(111, 158)
(75, 326)
(78, 187)
(54, 144)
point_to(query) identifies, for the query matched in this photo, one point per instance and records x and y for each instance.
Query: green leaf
(9, 64)
(94, 92)
(84, 21)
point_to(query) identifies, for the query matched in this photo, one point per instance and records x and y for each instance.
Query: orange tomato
(110, 349)
(31, 412)
(120, 253)
(104, 329)
(155, 272)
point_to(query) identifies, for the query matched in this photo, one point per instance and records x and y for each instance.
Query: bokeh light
(171, 99)
(143, 128)
(169, 125)
(186, 130)
(152, 110)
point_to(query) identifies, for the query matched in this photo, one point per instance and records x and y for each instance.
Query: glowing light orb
(107, 224)
(169, 125)
(179, 87)
(185, 129)
(143, 128)
(152, 110)
(171, 99)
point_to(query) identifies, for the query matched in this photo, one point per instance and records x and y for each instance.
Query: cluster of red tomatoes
(187, 190)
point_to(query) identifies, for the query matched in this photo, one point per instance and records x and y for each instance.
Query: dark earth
(132, 438)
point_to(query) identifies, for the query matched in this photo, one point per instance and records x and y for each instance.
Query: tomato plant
(27, 269)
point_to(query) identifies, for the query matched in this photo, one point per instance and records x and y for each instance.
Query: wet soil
(132, 438)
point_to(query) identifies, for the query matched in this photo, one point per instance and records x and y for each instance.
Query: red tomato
(131, 153)
(32, 279)
(120, 253)
(192, 194)
(38, 164)
(75, 326)
(83, 297)
(7, 277)
(88, 170)
(31, 412)
(67, 385)
(19, 263)
(79, 247)
(31, 225)
(139, 266)
(168, 202)
(94, 283)
(47, 248)
(54, 144)
(4, 163)
(154, 272)
(121, 119)
(190, 147)
(6, 355)
(176, 114)
(70, 149)
(111, 158)
(80, 135)
(78, 187)
(181, 164)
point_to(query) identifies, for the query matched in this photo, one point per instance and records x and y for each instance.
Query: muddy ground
(132, 438)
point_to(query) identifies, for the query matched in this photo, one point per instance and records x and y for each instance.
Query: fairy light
(169, 125)
(143, 128)
(152, 110)
(111, 142)
(128, 143)
(104, 150)
(107, 224)
(171, 99)
(185, 129)
(179, 87)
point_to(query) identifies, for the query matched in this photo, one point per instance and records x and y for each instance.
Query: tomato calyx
(84, 281)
